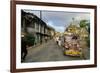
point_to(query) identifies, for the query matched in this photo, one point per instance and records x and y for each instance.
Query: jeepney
(71, 45)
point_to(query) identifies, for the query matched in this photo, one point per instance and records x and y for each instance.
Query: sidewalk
(39, 45)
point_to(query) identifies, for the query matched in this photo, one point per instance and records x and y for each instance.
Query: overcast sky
(60, 20)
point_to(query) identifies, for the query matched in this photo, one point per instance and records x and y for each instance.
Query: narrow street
(49, 51)
(39, 26)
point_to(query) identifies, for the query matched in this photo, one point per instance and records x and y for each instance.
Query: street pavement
(49, 51)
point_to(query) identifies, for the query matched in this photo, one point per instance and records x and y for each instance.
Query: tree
(83, 23)
(30, 39)
(86, 24)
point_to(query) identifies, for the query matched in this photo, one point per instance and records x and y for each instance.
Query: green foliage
(30, 39)
(86, 24)
(83, 23)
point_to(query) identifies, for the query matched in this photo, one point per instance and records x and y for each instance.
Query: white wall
(5, 36)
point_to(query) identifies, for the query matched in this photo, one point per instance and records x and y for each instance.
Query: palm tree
(83, 23)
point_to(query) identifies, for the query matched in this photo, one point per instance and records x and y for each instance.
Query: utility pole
(41, 15)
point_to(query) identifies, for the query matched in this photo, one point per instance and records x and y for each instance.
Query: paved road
(49, 51)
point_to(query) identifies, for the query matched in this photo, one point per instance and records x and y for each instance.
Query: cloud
(60, 20)
(57, 28)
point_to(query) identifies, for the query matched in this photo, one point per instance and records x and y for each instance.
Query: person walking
(59, 41)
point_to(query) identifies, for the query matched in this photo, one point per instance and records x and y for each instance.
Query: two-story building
(31, 24)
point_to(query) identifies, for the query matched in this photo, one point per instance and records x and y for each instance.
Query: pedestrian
(59, 41)
(24, 51)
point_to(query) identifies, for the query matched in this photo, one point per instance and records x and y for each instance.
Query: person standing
(59, 41)
(24, 51)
